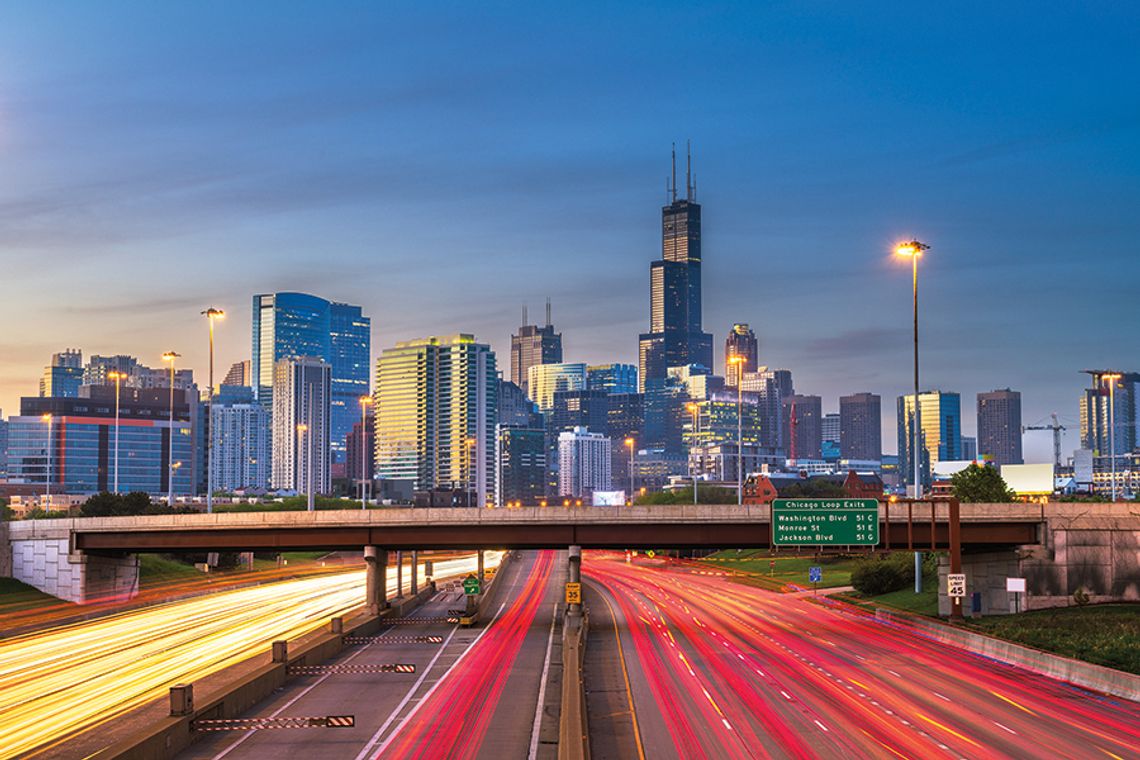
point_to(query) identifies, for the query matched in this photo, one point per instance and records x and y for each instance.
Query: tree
(978, 483)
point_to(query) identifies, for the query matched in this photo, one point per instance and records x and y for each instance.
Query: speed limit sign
(956, 584)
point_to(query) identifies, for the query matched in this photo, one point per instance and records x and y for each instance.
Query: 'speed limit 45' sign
(825, 522)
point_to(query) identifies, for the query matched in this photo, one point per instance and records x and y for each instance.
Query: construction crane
(1056, 428)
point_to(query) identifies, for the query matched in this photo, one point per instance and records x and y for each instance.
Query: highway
(475, 694)
(60, 681)
(718, 669)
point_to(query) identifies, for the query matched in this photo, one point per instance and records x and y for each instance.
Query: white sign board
(1015, 585)
(609, 498)
(956, 584)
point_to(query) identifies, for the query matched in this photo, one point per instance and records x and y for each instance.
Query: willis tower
(675, 337)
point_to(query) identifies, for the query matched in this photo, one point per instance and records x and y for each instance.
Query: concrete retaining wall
(5, 551)
(1085, 674)
(574, 731)
(47, 564)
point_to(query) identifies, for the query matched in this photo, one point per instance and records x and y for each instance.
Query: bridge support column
(415, 572)
(376, 579)
(575, 576)
(482, 577)
(399, 574)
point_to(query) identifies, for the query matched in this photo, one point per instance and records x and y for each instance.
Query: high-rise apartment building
(241, 456)
(302, 389)
(741, 341)
(544, 380)
(861, 427)
(802, 419)
(299, 324)
(515, 409)
(521, 460)
(612, 378)
(98, 371)
(941, 432)
(533, 345)
(583, 463)
(239, 374)
(1096, 410)
(831, 434)
(62, 378)
(771, 387)
(999, 426)
(436, 413)
(675, 336)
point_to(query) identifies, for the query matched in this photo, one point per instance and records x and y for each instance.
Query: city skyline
(171, 181)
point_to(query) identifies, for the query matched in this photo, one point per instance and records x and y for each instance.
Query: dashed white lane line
(940, 696)
(1006, 728)
(825, 728)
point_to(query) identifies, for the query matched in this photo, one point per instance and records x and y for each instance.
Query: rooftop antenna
(688, 170)
(673, 191)
(525, 323)
(694, 188)
(548, 311)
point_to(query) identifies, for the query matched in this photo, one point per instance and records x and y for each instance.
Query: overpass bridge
(1058, 546)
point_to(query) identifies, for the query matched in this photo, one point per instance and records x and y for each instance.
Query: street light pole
(1111, 379)
(739, 361)
(47, 495)
(629, 442)
(914, 249)
(118, 378)
(211, 314)
(696, 411)
(365, 402)
(170, 356)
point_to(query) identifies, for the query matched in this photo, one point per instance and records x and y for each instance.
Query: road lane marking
(949, 730)
(825, 728)
(1010, 701)
(532, 753)
(624, 672)
(380, 731)
(1007, 728)
(941, 697)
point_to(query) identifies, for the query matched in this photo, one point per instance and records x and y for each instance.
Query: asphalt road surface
(721, 670)
(474, 695)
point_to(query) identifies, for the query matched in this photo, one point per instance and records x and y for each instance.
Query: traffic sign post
(1015, 586)
(825, 522)
(956, 585)
(573, 593)
(472, 586)
(815, 575)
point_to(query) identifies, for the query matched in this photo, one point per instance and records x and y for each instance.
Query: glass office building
(298, 324)
(612, 378)
(79, 455)
(940, 418)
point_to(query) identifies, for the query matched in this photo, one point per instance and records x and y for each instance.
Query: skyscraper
(771, 387)
(861, 427)
(583, 463)
(239, 374)
(1095, 413)
(741, 341)
(612, 378)
(544, 380)
(941, 416)
(534, 345)
(242, 455)
(675, 336)
(802, 419)
(299, 324)
(63, 376)
(999, 426)
(302, 389)
(521, 460)
(436, 412)
(831, 434)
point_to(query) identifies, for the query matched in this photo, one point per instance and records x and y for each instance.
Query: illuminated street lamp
(1111, 379)
(302, 429)
(629, 442)
(696, 412)
(170, 356)
(118, 377)
(47, 495)
(365, 402)
(914, 249)
(737, 359)
(211, 314)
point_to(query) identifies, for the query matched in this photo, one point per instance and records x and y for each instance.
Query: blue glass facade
(612, 378)
(299, 324)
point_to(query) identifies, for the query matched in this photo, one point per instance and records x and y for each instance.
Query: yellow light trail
(63, 680)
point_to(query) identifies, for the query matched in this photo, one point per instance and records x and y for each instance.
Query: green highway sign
(471, 585)
(825, 522)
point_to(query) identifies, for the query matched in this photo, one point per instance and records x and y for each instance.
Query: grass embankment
(154, 569)
(925, 603)
(759, 569)
(1103, 634)
(16, 596)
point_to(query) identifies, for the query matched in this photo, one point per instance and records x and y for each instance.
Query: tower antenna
(688, 170)
(548, 311)
(525, 323)
(674, 189)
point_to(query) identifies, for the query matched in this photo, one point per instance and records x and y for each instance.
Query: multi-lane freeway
(57, 682)
(476, 693)
(712, 668)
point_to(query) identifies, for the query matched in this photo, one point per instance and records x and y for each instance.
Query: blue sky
(442, 166)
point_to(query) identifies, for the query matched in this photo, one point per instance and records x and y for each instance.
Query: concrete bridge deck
(673, 526)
